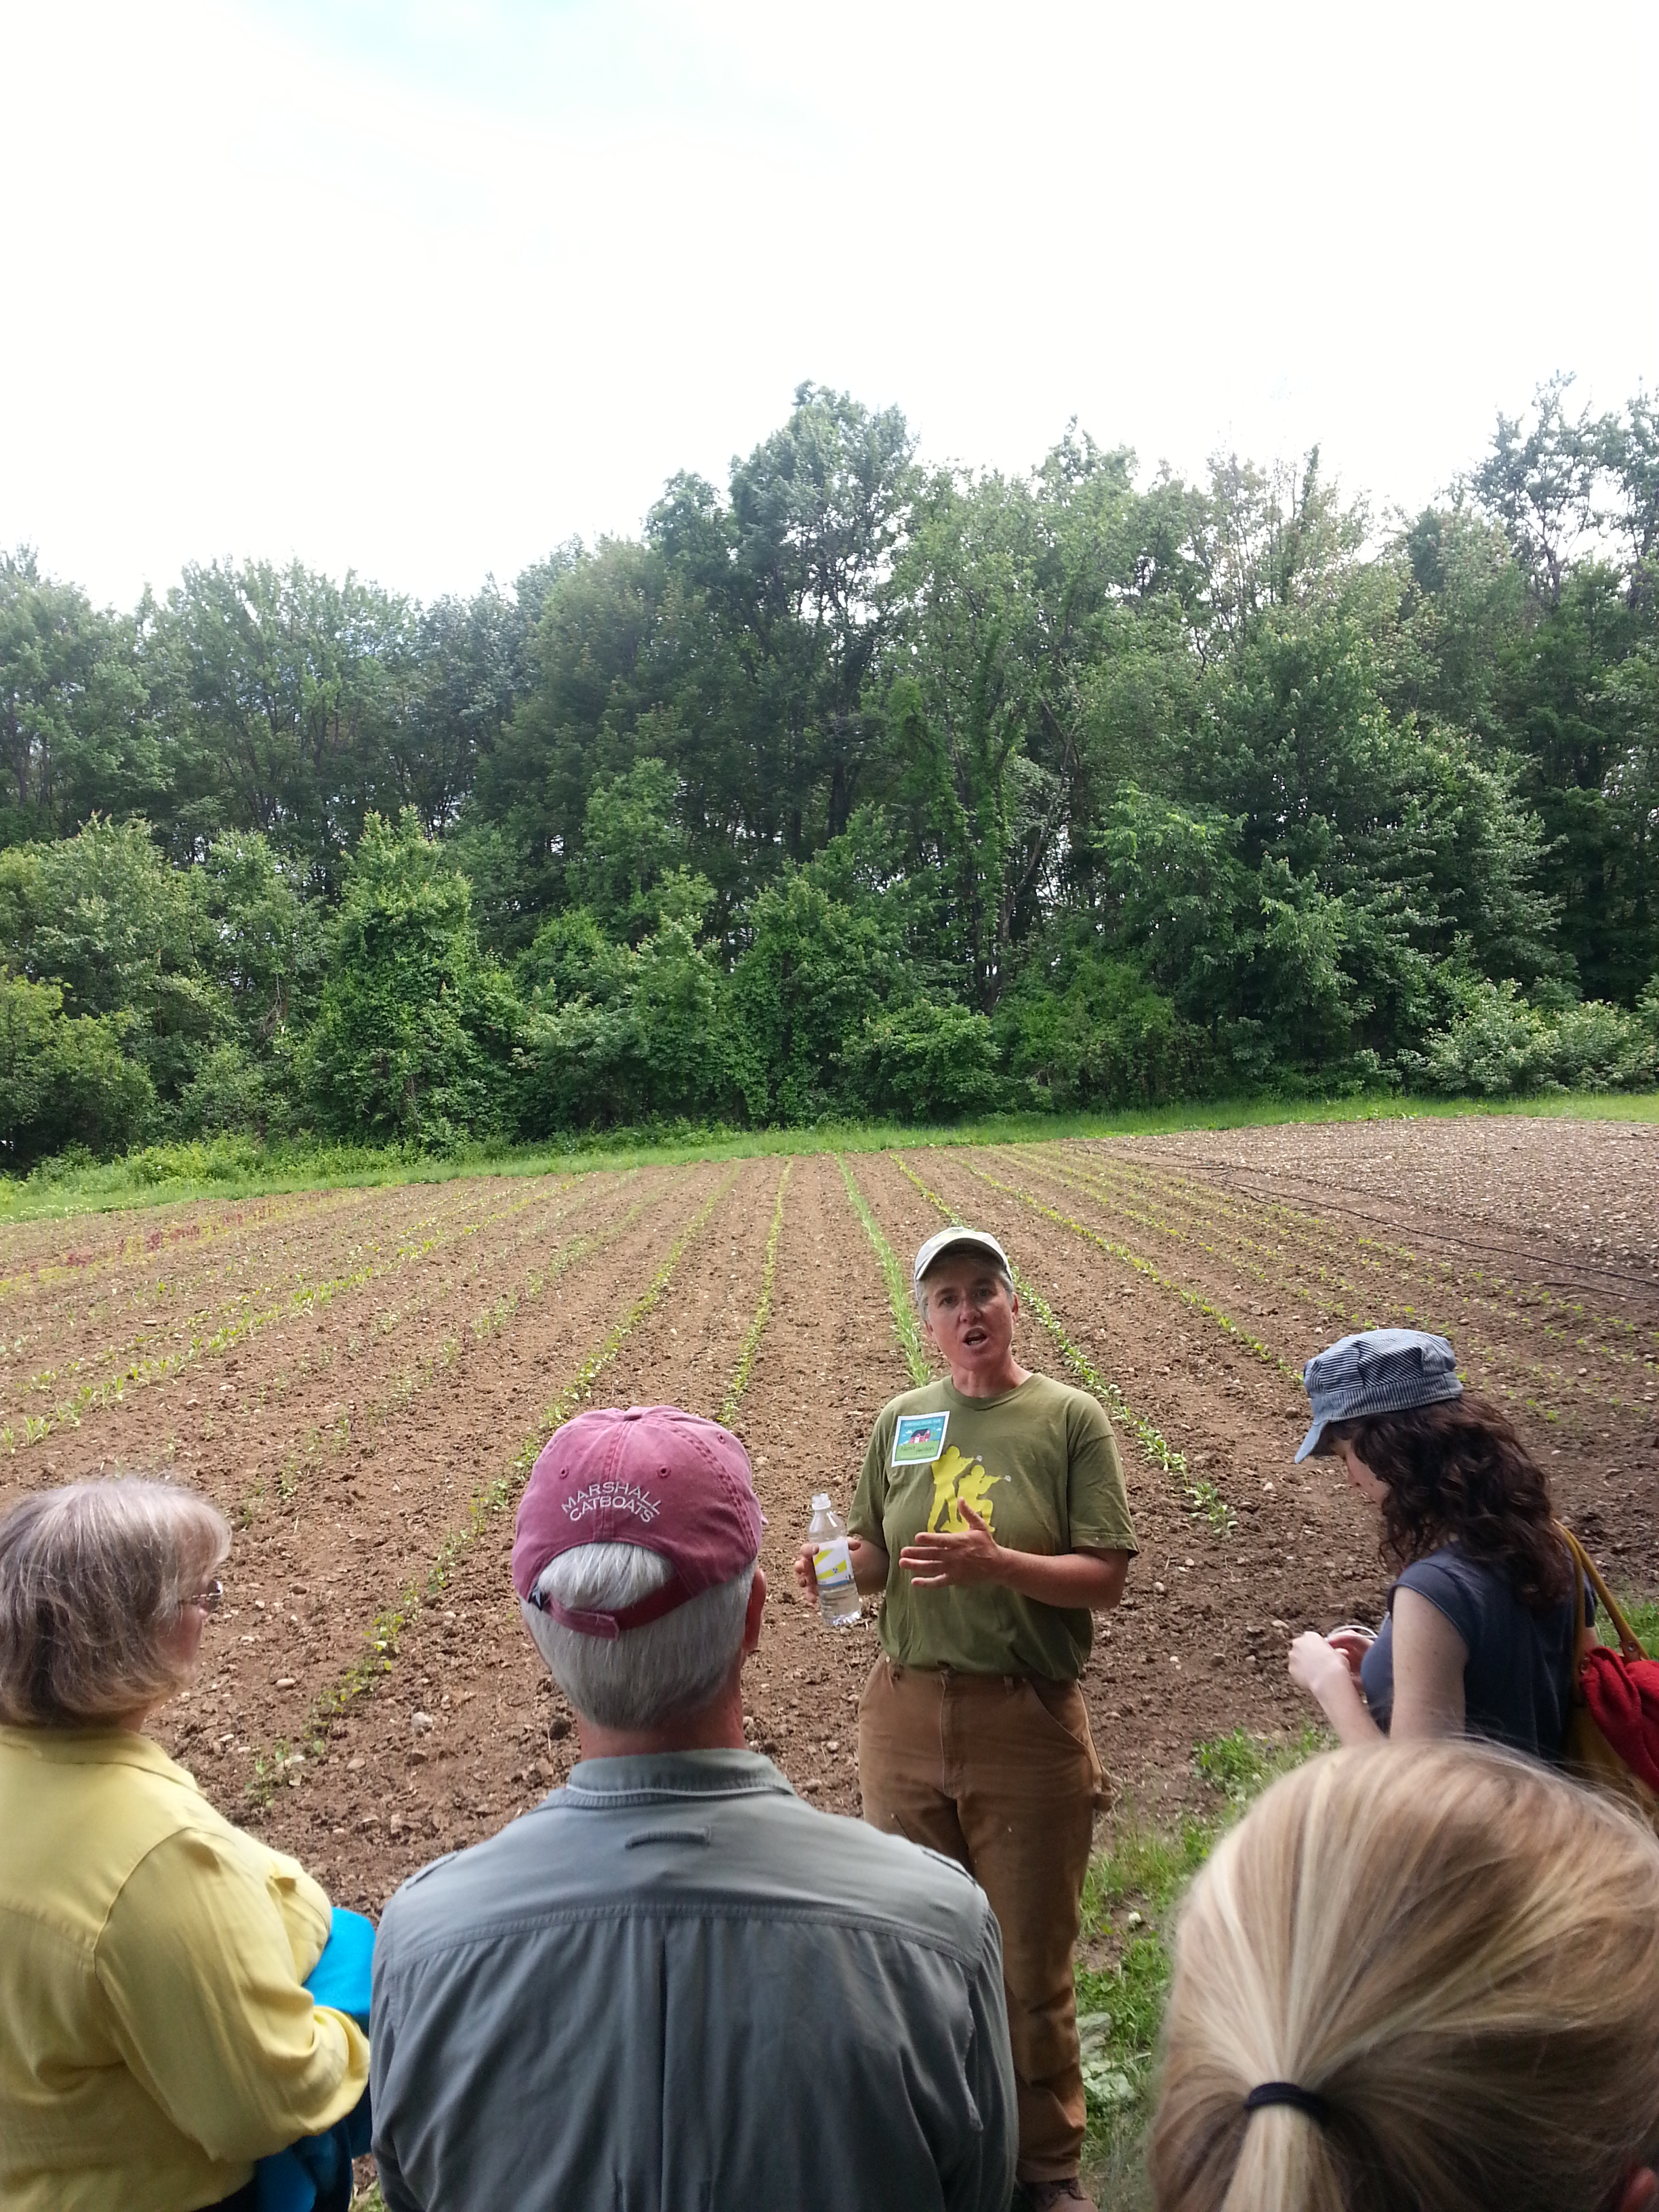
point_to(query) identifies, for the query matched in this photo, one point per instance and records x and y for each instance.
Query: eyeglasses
(211, 1598)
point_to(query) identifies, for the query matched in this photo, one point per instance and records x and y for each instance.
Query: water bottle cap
(821, 1502)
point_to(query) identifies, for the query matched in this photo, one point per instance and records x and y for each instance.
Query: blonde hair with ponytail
(1459, 1952)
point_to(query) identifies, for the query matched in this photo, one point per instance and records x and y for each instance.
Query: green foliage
(853, 786)
(75, 732)
(1498, 1045)
(1642, 1615)
(1131, 1897)
(922, 1062)
(813, 973)
(1084, 1027)
(414, 1028)
(65, 1080)
(907, 1325)
(616, 1032)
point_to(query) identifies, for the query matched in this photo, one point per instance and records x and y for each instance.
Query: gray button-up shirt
(674, 1987)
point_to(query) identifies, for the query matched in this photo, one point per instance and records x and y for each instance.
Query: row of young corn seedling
(206, 1340)
(906, 1326)
(75, 1272)
(1552, 1383)
(762, 1313)
(381, 1636)
(1294, 1274)
(1564, 1318)
(1229, 1255)
(414, 1379)
(211, 1328)
(190, 1287)
(434, 1228)
(1142, 1266)
(1204, 1499)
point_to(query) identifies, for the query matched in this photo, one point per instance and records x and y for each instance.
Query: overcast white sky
(422, 287)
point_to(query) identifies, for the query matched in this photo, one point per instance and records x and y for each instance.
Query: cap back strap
(610, 1626)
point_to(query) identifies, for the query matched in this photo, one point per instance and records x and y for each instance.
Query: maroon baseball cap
(653, 1475)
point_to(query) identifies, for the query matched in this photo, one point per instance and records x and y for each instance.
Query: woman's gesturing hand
(935, 1559)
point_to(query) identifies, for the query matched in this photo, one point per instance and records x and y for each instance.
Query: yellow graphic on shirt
(958, 1482)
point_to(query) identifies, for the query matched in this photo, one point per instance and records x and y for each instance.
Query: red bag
(1612, 1724)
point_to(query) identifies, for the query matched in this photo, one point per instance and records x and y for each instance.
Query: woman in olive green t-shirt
(991, 1512)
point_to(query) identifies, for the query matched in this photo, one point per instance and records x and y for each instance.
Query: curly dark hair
(1457, 1473)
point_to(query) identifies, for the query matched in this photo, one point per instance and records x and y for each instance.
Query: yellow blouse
(154, 2035)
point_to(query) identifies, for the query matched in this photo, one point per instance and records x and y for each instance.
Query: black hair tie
(1289, 2093)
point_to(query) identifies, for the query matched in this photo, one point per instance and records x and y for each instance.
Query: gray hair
(650, 1675)
(93, 1578)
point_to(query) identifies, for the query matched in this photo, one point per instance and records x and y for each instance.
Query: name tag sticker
(919, 1439)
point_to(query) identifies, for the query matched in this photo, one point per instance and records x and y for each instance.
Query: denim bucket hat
(1382, 1370)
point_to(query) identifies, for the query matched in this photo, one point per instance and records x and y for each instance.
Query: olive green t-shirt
(1039, 1464)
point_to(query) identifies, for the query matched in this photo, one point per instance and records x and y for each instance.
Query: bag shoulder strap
(1587, 1571)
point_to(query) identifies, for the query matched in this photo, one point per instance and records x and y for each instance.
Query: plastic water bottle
(832, 1563)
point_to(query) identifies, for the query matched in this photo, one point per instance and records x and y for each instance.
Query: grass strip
(757, 1329)
(236, 1167)
(1131, 1898)
(383, 1632)
(1204, 1499)
(905, 1326)
(1224, 1322)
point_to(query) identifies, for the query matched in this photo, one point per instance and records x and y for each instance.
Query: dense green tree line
(854, 787)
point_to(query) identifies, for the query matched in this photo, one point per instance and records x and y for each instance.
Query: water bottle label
(832, 1563)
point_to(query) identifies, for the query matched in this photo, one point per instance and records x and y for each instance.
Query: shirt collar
(675, 1774)
(94, 1746)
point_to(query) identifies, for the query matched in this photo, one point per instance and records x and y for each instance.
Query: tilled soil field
(361, 1380)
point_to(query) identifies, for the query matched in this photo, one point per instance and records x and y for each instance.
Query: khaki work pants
(999, 1772)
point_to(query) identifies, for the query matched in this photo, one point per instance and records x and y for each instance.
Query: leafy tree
(923, 1062)
(1084, 1027)
(629, 843)
(415, 1029)
(74, 733)
(285, 698)
(813, 972)
(65, 1080)
(105, 916)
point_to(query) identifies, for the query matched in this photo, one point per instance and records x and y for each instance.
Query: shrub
(414, 1035)
(65, 1080)
(1498, 1045)
(923, 1062)
(1090, 1031)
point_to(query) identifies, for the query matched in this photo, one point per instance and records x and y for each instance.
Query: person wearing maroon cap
(992, 1513)
(673, 1983)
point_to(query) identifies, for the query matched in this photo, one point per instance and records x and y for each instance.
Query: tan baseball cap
(960, 1239)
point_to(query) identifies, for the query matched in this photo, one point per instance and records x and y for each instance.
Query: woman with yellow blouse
(156, 2037)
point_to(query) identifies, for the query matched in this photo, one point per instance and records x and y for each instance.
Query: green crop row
(305, 1299)
(1495, 1358)
(906, 1326)
(1199, 1304)
(381, 1636)
(762, 1313)
(1534, 1301)
(1225, 1253)
(419, 1376)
